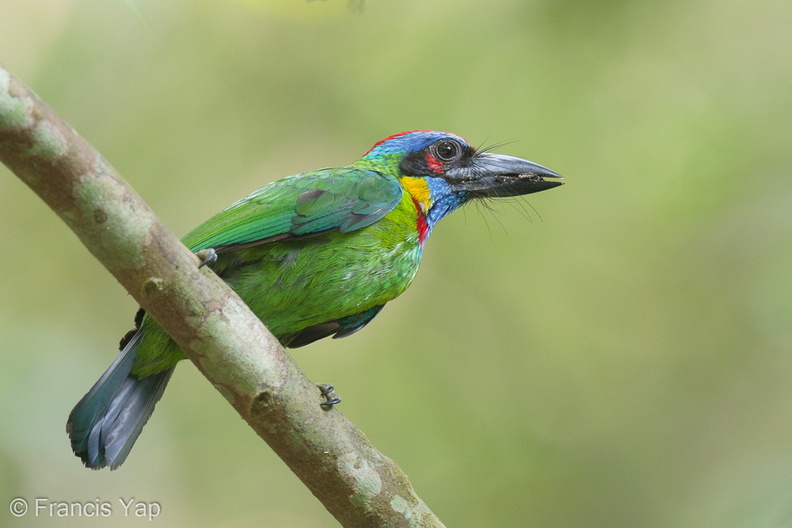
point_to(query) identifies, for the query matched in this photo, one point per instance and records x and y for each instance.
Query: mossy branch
(232, 348)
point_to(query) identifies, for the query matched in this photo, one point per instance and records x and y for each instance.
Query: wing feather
(306, 204)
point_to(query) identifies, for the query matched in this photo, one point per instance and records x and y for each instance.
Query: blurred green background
(616, 352)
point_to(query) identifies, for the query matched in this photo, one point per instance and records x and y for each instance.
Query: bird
(313, 255)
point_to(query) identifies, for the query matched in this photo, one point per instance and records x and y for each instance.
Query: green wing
(306, 204)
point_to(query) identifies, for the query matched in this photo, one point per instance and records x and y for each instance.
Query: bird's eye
(447, 150)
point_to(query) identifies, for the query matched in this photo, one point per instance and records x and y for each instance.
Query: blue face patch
(444, 200)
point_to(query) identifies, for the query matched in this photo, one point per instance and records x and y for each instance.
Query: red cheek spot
(434, 165)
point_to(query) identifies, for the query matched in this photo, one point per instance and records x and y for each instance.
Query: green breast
(291, 285)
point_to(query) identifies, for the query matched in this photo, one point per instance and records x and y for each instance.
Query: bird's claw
(329, 394)
(208, 257)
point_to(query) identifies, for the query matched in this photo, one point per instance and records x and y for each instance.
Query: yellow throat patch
(419, 190)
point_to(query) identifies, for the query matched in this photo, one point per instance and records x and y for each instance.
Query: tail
(105, 423)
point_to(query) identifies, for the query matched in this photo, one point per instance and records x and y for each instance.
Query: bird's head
(442, 171)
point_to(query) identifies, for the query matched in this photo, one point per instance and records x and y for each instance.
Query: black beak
(499, 175)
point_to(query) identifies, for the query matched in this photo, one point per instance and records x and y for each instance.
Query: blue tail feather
(105, 423)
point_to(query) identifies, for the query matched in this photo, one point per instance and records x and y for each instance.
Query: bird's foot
(329, 394)
(208, 257)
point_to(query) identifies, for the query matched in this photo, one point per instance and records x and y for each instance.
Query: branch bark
(232, 348)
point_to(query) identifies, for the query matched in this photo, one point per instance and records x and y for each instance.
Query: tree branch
(230, 345)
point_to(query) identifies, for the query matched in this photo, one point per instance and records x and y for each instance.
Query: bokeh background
(615, 352)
